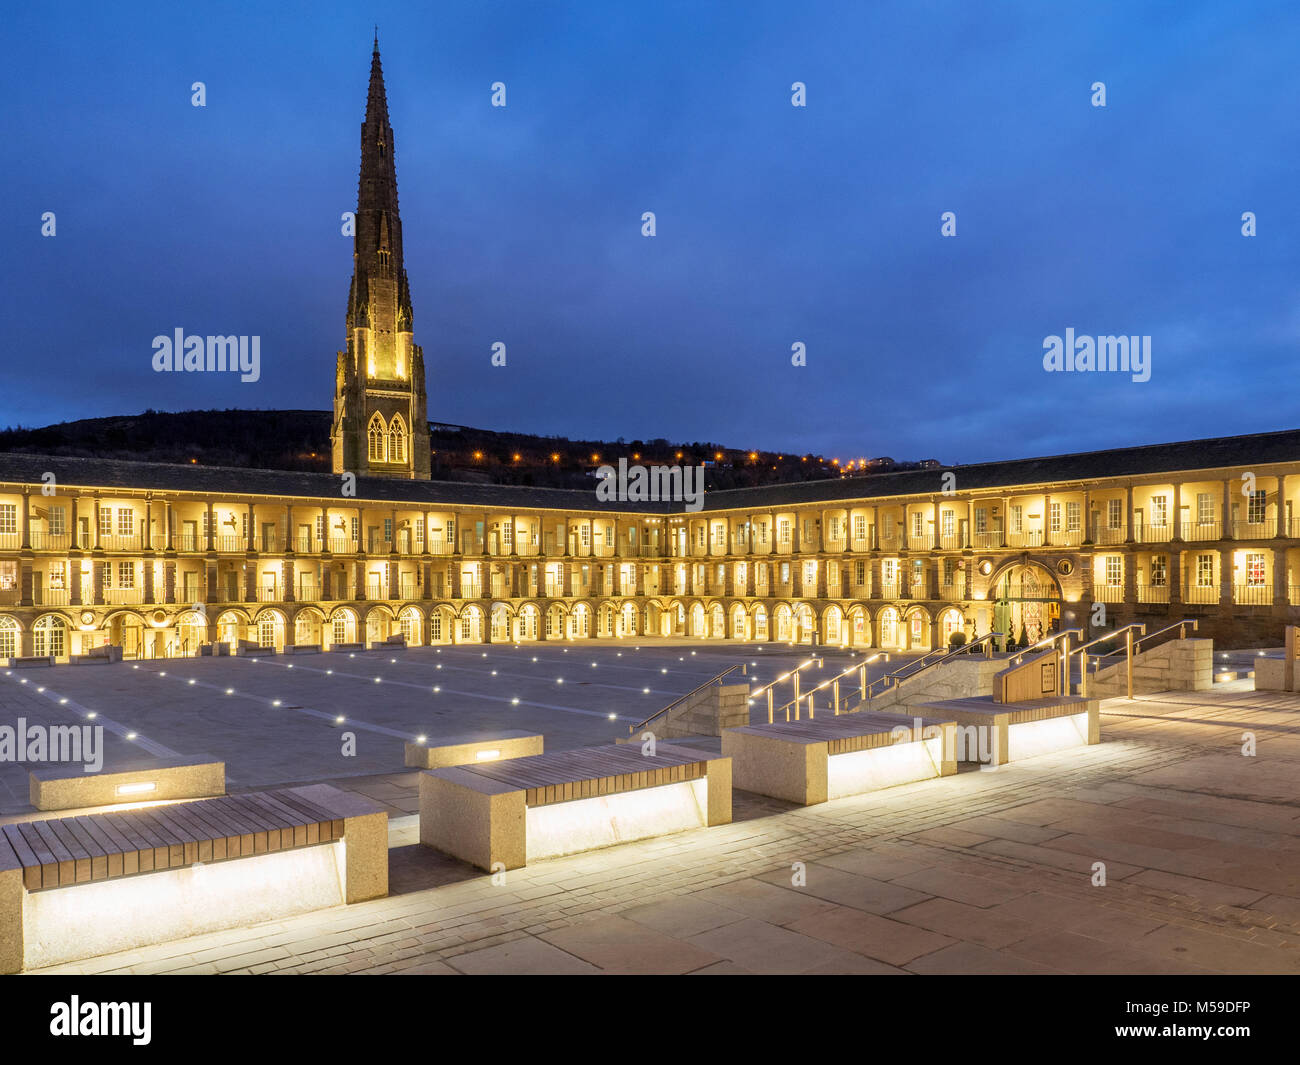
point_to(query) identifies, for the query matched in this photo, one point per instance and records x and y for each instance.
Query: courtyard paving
(985, 872)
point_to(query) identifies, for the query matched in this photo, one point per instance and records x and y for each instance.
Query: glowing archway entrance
(1027, 601)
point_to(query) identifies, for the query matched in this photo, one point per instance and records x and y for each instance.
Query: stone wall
(962, 678)
(1178, 665)
(706, 713)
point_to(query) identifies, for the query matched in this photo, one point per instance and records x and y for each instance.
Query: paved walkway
(987, 872)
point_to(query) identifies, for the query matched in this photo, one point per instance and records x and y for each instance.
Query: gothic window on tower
(383, 258)
(378, 438)
(397, 439)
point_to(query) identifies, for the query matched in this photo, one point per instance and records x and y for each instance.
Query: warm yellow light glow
(142, 788)
(488, 755)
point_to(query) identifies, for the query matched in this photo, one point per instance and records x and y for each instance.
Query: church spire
(380, 378)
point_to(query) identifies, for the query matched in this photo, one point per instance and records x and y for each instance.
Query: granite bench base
(502, 815)
(76, 887)
(994, 733)
(473, 749)
(59, 787)
(809, 762)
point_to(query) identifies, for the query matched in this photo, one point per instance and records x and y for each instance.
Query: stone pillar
(74, 581)
(1087, 517)
(251, 591)
(1226, 589)
(169, 582)
(1282, 529)
(1175, 579)
(1178, 514)
(1227, 509)
(1047, 520)
(95, 525)
(1128, 512)
(937, 537)
(289, 593)
(212, 528)
(210, 591)
(148, 581)
(27, 520)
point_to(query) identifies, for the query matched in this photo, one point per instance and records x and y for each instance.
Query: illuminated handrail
(833, 683)
(681, 699)
(919, 665)
(1049, 639)
(1181, 626)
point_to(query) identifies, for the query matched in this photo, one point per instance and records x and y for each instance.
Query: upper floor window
(377, 435)
(1255, 508)
(1159, 510)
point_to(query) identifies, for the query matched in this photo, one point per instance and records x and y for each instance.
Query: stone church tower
(380, 426)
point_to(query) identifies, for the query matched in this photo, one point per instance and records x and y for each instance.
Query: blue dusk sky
(775, 224)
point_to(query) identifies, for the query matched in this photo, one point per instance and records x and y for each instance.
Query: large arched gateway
(1026, 600)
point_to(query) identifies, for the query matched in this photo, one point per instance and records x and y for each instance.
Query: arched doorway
(1027, 602)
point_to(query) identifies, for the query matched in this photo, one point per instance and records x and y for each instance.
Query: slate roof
(1228, 451)
(1253, 449)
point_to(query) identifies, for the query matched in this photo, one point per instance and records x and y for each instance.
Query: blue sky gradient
(775, 224)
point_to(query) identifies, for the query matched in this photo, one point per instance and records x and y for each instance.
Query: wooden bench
(251, 648)
(156, 873)
(831, 756)
(347, 647)
(302, 648)
(473, 749)
(500, 815)
(994, 733)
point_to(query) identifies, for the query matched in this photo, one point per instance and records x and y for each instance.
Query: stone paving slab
(985, 872)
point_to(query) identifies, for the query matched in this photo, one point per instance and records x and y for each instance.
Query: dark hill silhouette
(299, 440)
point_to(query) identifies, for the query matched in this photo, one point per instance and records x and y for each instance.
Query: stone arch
(717, 629)
(783, 623)
(410, 622)
(761, 621)
(442, 623)
(528, 622)
(379, 624)
(805, 623)
(950, 620)
(834, 632)
(469, 624)
(343, 626)
(268, 629)
(858, 625)
(888, 626)
(500, 622)
(308, 626)
(11, 637)
(918, 632)
(50, 636)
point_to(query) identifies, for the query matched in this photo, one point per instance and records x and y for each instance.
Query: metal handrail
(784, 677)
(1049, 639)
(1106, 637)
(833, 683)
(896, 677)
(1179, 625)
(1082, 652)
(681, 699)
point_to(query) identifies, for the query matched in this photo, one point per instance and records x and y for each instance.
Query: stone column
(169, 582)
(74, 582)
(1047, 519)
(1282, 529)
(1128, 512)
(1178, 513)
(1227, 531)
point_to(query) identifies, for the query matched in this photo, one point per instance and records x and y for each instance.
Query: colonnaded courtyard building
(166, 560)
